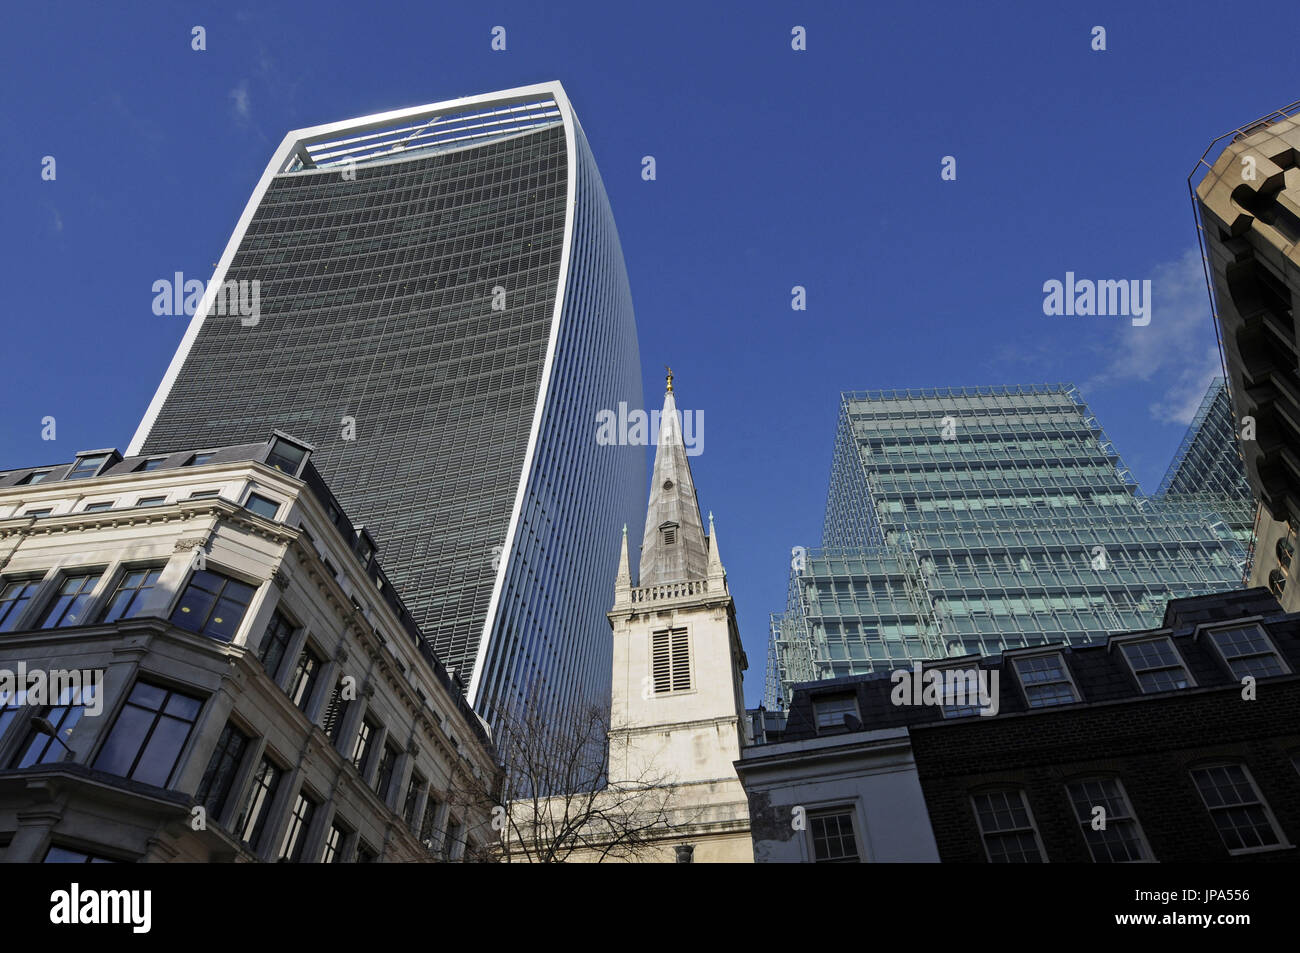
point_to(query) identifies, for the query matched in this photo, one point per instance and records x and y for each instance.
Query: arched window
(1277, 582)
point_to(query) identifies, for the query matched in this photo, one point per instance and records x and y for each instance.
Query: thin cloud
(240, 102)
(1177, 351)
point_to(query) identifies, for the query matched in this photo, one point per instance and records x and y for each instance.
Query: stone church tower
(677, 711)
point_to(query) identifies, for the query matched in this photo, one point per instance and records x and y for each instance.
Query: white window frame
(1282, 843)
(834, 807)
(1210, 632)
(962, 711)
(1065, 668)
(1085, 823)
(1137, 679)
(1029, 815)
(255, 490)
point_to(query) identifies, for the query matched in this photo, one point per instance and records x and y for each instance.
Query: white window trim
(255, 490)
(1029, 814)
(1153, 637)
(1065, 668)
(853, 808)
(1128, 805)
(967, 663)
(1254, 621)
(1282, 842)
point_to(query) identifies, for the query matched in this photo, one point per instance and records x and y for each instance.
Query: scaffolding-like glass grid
(979, 519)
(1207, 470)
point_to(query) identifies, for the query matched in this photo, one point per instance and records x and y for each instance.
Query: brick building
(1174, 744)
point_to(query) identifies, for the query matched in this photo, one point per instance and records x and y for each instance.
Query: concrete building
(253, 690)
(1180, 743)
(443, 311)
(1246, 193)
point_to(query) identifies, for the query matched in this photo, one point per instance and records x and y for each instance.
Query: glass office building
(443, 310)
(1207, 470)
(978, 519)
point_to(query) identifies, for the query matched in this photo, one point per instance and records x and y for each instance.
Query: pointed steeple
(623, 581)
(673, 548)
(716, 572)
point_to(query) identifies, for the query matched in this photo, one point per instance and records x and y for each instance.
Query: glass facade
(975, 520)
(1207, 470)
(442, 318)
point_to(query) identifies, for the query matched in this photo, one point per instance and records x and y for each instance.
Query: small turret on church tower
(677, 707)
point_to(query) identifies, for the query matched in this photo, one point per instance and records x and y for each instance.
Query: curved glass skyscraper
(442, 309)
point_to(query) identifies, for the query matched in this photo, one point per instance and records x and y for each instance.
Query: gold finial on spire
(670, 378)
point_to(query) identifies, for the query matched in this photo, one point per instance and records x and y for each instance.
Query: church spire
(623, 581)
(673, 548)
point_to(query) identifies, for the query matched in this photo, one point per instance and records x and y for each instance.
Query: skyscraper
(1206, 470)
(972, 520)
(442, 311)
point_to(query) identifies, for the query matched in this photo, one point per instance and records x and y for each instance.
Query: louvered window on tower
(670, 534)
(670, 661)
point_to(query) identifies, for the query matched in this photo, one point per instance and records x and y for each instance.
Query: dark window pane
(219, 776)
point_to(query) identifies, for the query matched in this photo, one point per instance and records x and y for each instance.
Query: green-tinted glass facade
(1207, 471)
(973, 520)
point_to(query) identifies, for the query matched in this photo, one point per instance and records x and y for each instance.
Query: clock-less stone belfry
(677, 710)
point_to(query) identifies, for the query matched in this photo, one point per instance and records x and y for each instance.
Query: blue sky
(775, 168)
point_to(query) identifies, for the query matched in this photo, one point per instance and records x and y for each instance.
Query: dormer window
(287, 455)
(87, 466)
(1248, 651)
(1046, 680)
(831, 711)
(1156, 665)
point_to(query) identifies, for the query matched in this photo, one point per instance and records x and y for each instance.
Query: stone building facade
(254, 689)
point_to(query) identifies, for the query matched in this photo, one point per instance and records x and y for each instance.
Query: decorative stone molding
(185, 545)
(280, 578)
